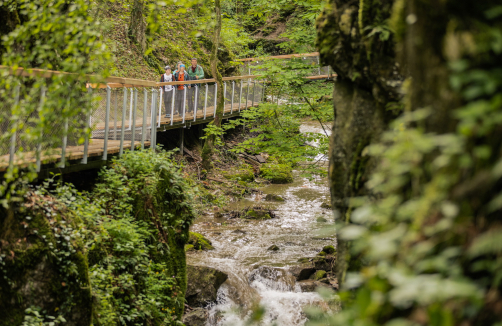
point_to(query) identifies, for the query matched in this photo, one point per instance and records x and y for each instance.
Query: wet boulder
(197, 241)
(273, 248)
(272, 197)
(275, 277)
(326, 206)
(302, 272)
(203, 284)
(325, 263)
(321, 219)
(311, 285)
(329, 249)
(195, 317)
(318, 275)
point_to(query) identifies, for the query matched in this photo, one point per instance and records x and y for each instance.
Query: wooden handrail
(283, 56)
(116, 82)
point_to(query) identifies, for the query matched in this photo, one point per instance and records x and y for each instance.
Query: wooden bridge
(127, 114)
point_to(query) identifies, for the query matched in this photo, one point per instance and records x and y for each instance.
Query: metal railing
(251, 66)
(124, 114)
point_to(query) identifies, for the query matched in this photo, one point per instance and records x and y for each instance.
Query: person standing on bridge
(180, 75)
(168, 91)
(195, 72)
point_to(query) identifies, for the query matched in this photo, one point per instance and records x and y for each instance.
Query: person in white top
(168, 90)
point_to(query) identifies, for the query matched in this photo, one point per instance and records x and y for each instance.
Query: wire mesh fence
(117, 118)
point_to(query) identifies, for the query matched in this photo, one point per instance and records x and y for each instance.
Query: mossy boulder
(198, 242)
(318, 275)
(326, 206)
(257, 214)
(41, 266)
(329, 249)
(243, 173)
(321, 219)
(277, 173)
(203, 284)
(273, 248)
(272, 197)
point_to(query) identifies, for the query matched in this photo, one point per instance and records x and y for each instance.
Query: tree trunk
(209, 143)
(137, 25)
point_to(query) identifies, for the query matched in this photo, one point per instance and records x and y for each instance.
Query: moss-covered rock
(61, 250)
(318, 275)
(329, 249)
(43, 267)
(326, 206)
(273, 248)
(272, 197)
(257, 213)
(277, 173)
(203, 285)
(321, 219)
(199, 242)
(243, 173)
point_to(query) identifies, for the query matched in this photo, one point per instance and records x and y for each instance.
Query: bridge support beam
(182, 139)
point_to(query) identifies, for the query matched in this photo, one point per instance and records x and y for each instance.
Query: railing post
(122, 129)
(247, 94)
(159, 109)
(143, 127)
(107, 121)
(205, 101)
(254, 87)
(154, 116)
(172, 105)
(240, 97)
(39, 146)
(115, 115)
(65, 139)
(224, 95)
(184, 101)
(135, 108)
(215, 98)
(232, 102)
(319, 63)
(87, 126)
(195, 104)
(12, 150)
(130, 112)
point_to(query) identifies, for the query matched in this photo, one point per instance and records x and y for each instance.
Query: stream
(257, 276)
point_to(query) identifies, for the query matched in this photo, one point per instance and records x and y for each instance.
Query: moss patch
(243, 173)
(199, 242)
(277, 173)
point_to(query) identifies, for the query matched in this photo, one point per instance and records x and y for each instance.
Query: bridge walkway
(123, 114)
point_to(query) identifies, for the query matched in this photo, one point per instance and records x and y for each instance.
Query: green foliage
(51, 35)
(126, 238)
(428, 239)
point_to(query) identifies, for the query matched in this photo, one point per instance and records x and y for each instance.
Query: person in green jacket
(195, 72)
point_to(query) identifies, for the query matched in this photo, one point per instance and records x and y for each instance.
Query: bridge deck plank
(72, 153)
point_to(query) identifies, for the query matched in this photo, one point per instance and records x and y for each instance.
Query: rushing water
(257, 276)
